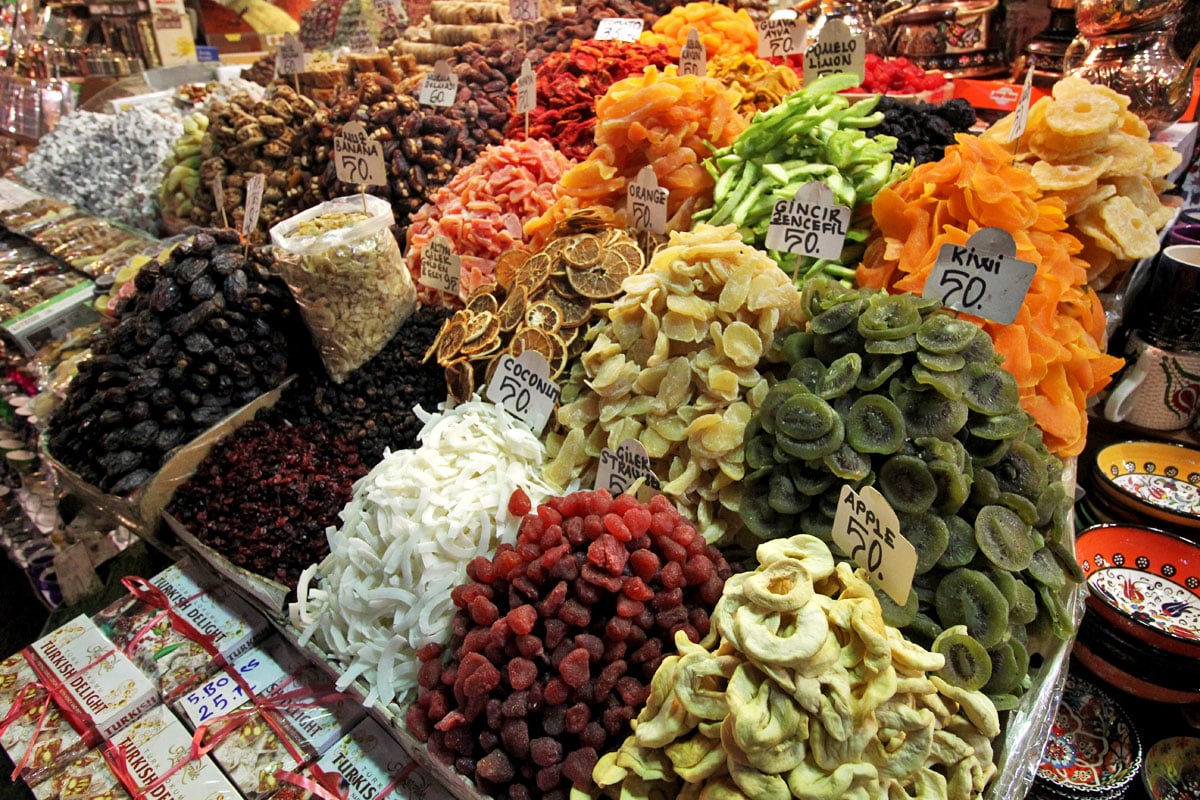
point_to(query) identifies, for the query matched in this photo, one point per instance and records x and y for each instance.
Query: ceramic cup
(1159, 389)
(1167, 310)
(1184, 233)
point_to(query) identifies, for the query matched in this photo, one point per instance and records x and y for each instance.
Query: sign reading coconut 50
(837, 49)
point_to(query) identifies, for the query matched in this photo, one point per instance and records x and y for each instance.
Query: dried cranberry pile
(556, 640)
(264, 496)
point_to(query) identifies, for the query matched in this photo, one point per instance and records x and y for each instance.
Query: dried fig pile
(245, 137)
(206, 332)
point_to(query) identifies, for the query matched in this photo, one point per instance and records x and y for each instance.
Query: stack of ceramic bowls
(1093, 751)
(1141, 625)
(1144, 483)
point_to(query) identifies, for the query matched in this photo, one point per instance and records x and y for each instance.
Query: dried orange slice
(587, 220)
(532, 339)
(453, 336)
(478, 326)
(483, 299)
(507, 266)
(460, 379)
(533, 273)
(437, 343)
(631, 253)
(575, 312)
(512, 310)
(594, 283)
(544, 315)
(582, 251)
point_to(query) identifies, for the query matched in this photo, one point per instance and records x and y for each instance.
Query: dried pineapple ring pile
(541, 302)
(676, 368)
(1085, 146)
(808, 694)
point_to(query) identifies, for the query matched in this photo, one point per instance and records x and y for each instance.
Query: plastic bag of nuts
(346, 272)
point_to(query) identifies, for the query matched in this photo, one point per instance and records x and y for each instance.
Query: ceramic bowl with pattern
(1145, 583)
(1172, 769)
(1099, 663)
(1093, 749)
(1160, 674)
(1160, 480)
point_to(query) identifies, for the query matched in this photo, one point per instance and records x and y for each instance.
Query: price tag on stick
(289, 60)
(440, 86)
(647, 203)
(868, 531)
(621, 29)
(619, 469)
(357, 157)
(693, 59)
(218, 192)
(524, 10)
(523, 386)
(781, 35)
(1021, 115)
(361, 40)
(254, 193)
(984, 277)
(837, 49)
(810, 224)
(440, 267)
(526, 91)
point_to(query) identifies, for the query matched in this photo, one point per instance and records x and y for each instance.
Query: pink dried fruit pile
(556, 640)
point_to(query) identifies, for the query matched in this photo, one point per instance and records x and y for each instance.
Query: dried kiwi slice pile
(893, 392)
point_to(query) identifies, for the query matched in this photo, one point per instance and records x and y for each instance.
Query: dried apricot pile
(556, 640)
(676, 366)
(805, 693)
(722, 31)
(541, 302)
(1085, 146)
(1054, 347)
(888, 391)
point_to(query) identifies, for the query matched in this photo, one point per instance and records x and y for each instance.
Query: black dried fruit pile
(206, 332)
(922, 130)
(556, 640)
(264, 496)
(373, 407)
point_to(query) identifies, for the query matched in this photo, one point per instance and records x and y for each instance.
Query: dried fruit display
(264, 496)
(897, 76)
(676, 366)
(327, 24)
(813, 135)
(722, 31)
(568, 85)
(405, 541)
(922, 131)
(182, 178)
(1084, 146)
(482, 104)
(374, 408)
(542, 302)
(247, 136)
(422, 149)
(483, 210)
(110, 164)
(659, 119)
(1055, 345)
(556, 639)
(556, 34)
(82, 240)
(762, 84)
(207, 331)
(804, 693)
(887, 390)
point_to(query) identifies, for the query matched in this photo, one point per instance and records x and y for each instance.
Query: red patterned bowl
(1145, 583)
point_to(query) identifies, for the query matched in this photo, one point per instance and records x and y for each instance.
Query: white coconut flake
(407, 535)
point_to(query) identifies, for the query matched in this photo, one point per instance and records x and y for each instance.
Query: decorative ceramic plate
(1172, 770)
(1158, 479)
(1147, 576)
(1092, 747)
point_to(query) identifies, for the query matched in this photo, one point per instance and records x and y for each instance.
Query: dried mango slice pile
(1054, 347)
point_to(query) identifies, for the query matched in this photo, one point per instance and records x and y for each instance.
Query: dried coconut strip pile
(414, 523)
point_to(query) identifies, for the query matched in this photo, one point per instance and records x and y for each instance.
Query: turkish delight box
(263, 669)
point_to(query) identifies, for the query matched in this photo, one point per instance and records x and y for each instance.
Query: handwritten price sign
(647, 203)
(868, 531)
(219, 696)
(811, 223)
(523, 386)
(440, 87)
(781, 35)
(290, 58)
(983, 277)
(357, 157)
(619, 469)
(693, 58)
(621, 29)
(440, 267)
(524, 10)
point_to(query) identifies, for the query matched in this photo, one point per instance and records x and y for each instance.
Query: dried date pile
(556, 640)
(373, 407)
(264, 496)
(206, 332)
(421, 148)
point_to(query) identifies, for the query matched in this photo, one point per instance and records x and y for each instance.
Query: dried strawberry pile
(556, 640)
(897, 76)
(568, 85)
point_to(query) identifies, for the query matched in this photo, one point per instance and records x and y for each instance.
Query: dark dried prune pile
(922, 130)
(373, 407)
(264, 496)
(556, 640)
(206, 332)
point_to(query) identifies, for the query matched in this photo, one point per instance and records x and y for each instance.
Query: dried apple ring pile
(804, 693)
(677, 368)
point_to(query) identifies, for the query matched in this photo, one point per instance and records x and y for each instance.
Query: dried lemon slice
(582, 251)
(544, 315)
(460, 379)
(483, 326)
(631, 253)
(533, 273)
(512, 310)
(452, 339)
(475, 324)
(594, 283)
(532, 339)
(507, 266)
(575, 312)
(483, 299)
